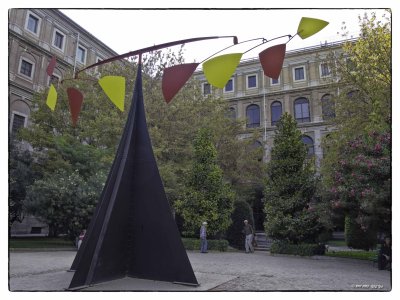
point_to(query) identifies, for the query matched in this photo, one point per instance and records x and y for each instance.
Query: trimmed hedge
(283, 247)
(357, 238)
(194, 244)
(39, 242)
(324, 237)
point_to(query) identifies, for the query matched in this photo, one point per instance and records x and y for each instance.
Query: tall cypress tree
(207, 197)
(290, 187)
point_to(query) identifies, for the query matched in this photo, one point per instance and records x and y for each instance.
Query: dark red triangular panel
(75, 99)
(51, 66)
(174, 78)
(272, 60)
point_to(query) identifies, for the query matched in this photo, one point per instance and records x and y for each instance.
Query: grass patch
(364, 255)
(337, 243)
(38, 242)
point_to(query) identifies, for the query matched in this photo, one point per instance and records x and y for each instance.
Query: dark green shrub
(194, 244)
(241, 211)
(324, 236)
(319, 249)
(358, 238)
(220, 245)
(284, 247)
(191, 244)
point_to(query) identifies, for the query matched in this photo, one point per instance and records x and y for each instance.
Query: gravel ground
(215, 271)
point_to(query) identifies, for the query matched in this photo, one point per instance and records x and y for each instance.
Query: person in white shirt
(203, 238)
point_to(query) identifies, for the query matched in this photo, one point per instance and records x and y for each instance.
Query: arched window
(309, 143)
(20, 110)
(328, 107)
(253, 116)
(302, 110)
(232, 113)
(18, 121)
(276, 112)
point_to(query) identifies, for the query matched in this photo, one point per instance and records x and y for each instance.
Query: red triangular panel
(51, 66)
(174, 79)
(75, 98)
(272, 60)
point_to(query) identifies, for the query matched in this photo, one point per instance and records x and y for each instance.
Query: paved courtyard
(215, 271)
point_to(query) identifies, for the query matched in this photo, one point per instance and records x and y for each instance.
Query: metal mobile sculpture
(132, 232)
(217, 70)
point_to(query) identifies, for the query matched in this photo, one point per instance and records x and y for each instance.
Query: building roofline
(324, 46)
(81, 29)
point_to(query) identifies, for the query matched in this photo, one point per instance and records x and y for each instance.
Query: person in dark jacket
(248, 232)
(385, 255)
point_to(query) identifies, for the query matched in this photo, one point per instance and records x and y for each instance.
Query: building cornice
(277, 93)
(19, 87)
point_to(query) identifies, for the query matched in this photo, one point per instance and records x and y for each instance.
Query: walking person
(385, 255)
(203, 238)
(81, 236)
(248, 232)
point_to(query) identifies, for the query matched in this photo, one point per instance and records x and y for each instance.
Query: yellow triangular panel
(310, 26)
(52, 98)
(114, 87)
(219, 70)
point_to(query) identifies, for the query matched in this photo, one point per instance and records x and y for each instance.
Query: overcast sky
(125, 30)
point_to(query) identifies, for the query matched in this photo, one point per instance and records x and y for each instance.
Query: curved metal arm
(266, 41)
(235, 43)
(153, 48)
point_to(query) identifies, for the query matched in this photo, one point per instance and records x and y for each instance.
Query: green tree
(365, 69)
(65, 200)
(100, 123)
(363, 181)
(242, 163)
(72, 162)
(290, 187)
(207, 196)
(57, 145)
(71, 183)
(363, 106)
(364, 80)
(173, 126)
(21, 176)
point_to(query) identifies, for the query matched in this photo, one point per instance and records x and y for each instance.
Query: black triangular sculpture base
(132, 232)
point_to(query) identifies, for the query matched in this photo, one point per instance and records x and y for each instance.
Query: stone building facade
(35, 36)
(303, 89)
